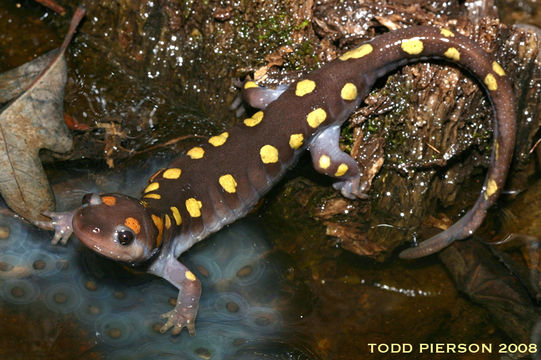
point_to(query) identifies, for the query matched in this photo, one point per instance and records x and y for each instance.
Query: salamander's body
(218, 182)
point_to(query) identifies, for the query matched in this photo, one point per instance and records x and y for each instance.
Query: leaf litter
(33, 119)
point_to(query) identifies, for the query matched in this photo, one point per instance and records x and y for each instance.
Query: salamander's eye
(86, 198)
(124, 237)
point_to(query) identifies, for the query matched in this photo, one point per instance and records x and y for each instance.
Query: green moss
(274, 29)
(372, 125)
(346, 137)
(303, 24)
(188, 7)
(303, 54)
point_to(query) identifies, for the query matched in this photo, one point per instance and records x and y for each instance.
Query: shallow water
(116, 309)
(259, 300)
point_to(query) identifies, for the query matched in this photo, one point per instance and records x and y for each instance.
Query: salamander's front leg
(185, 311)
(328, 159)
(61, 223)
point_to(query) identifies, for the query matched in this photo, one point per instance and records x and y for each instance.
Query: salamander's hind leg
(258, 97)
(328, 159)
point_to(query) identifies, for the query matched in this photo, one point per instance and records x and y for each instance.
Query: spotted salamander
(220, 181)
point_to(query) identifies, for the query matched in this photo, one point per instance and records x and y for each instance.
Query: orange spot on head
(109, 200)
(133, 224)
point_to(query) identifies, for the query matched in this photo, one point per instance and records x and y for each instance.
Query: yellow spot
(157, 221)
(361, 51)
(153, 196)
(176, 215)
(296, 140)
(189, 275)
(254, 120)
(133, 224)
(496, 150)
(305, 87)
(109, 200)
(196, 152)
(219, 140)
(490, 82)
(167, 222)
(492, 187)
(446, 32)
(316, 117)
(349, 92)
(159, 225)
(194, 207)
(342, 169)
(452, 53)
(412, 46)
(172, 174)
(269, 154)
(152, 187)
(498, 69)
(250, 84)
(228, 183)
(324, 161)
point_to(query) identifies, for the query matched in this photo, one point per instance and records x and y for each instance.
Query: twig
(534, 146)
(158, 146)
(51, 4)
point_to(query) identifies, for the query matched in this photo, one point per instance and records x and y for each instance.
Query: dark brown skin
(216, 183)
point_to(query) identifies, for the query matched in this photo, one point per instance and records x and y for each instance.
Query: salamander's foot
(183, 315)
(352, 188)
(60, 223)
(178, 318)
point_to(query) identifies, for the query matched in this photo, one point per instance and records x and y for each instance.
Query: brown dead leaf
(33, 120)
(16, 81)
(369, 155)
(353, 239)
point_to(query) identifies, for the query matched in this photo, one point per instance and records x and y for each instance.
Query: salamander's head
(117, 226)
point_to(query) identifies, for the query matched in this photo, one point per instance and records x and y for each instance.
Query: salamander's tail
(388, 51)
(458, 231)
